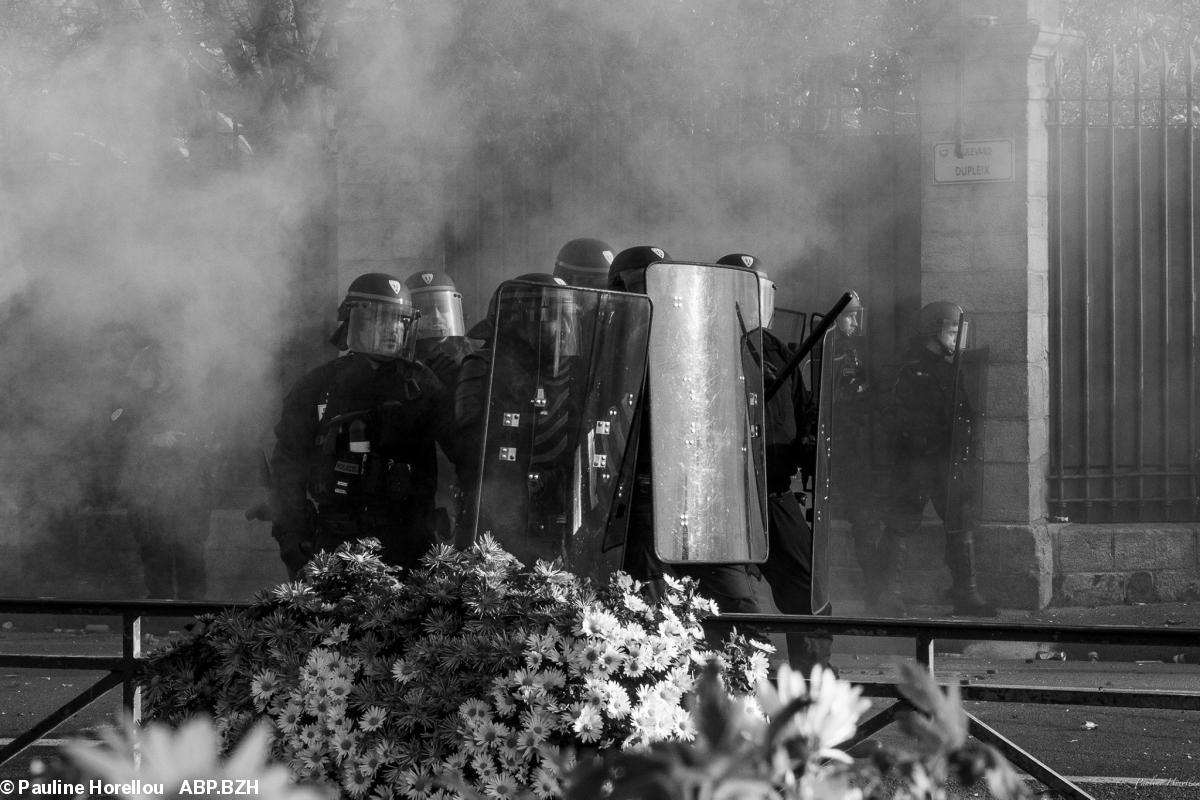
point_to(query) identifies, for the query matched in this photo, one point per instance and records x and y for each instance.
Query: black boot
(891, 555)
(964, 595)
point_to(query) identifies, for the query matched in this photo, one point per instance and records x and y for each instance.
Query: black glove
(444, 367)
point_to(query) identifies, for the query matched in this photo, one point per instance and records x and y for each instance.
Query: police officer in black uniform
(442, 344)
(442, 341)
(728, 584)
(790, 413)
(924, 404)
(535, 375)
(853, 483)
(584, 263)
(355, 444)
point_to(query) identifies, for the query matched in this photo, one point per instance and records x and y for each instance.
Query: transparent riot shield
(852, 502)
(568, 366)
(706, 415)
(820, 496)
(964, 483)
(790, 326)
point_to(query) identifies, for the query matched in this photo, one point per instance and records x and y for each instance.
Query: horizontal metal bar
(114, 608)
(1061, 696)
(961, 629)
(1114, 698)
(106, 663)
(1117, 476)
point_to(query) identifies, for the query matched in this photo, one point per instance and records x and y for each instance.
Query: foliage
(159, 761)
(472, 671)
(786, 747)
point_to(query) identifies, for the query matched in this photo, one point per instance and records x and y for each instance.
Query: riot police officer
(852, 483)
(442, 344)
(931, 418)
(584, 262)
(442, 341)
(789, 568)
(532, 374)
(355, 444)
(728, 584)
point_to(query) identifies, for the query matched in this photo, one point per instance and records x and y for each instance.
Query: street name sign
(978, 161)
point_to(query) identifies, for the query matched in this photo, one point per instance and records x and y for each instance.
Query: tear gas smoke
(119, 229)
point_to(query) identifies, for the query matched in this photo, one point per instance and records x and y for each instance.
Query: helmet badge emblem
(608, 256)
(657, 252)
(748, 261)
(427, 277)
(395, 286)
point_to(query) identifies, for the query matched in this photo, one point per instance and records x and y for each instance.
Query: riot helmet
(766, 287)
(439, 302)
(377, 318)
(942, 324)
(541, 310)
(853, 319)
(628, 269)
(484, 328)
(584, 262)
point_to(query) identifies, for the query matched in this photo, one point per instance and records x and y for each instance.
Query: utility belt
(342, 479)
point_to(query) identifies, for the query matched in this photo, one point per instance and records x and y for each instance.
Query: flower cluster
(471, 674)
(614, 675)
(786, 744)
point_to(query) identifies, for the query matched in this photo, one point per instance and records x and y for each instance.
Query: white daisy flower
(373, 718)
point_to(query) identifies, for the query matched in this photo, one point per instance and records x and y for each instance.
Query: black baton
(808, 344)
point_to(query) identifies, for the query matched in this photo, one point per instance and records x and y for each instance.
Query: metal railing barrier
(123, 670)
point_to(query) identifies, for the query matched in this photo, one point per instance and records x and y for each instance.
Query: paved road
(1111, 752)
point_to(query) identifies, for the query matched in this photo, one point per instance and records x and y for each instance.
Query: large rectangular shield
(568, 367)
(706, 415)
(964, 479)
(828, 442)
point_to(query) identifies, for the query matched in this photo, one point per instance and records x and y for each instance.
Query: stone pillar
(982, 84)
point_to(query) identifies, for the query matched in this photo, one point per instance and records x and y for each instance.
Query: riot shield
(964, 484)
(790, 326)
(568, 366)
(706, 415)
(821, 495)
(847, 430)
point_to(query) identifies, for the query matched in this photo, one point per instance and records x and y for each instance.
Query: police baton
(808, 344)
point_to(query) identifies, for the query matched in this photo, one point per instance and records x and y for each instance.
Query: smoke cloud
(134, 211)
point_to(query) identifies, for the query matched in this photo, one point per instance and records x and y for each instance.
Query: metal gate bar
(1125, 433)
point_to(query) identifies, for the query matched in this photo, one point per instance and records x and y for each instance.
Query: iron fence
(1123, 313)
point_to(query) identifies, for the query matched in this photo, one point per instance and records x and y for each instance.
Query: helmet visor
(956, 334)
(441, 314)
(381, 329)
(766, 301)
(853, 322)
